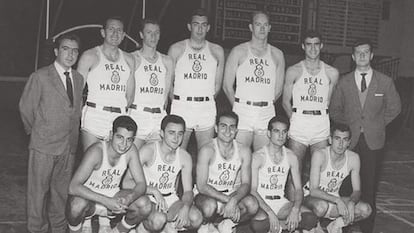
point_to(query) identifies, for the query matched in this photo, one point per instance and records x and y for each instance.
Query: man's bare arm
(333, 76)
(203, 161)
(169, 65)
(245, 173)
(230, 73)
(130, 90)
(87, 61)
(218, 53)
(291, 75)
(279, 60)
(175, 52)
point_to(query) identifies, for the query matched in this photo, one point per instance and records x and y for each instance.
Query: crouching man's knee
(309, 221)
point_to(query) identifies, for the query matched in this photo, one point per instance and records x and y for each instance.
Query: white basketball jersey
(222, 173)
(272, 176)
(195, 72)
(150, 82)
(310, 92)
(162, 175)
(107, 82)
(107, 178)
(256, 77)
(330, 179)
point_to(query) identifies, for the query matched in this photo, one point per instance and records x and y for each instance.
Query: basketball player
(329, 168)
(308, 88)
(258, 70)
(108, 72)
(219, 163)
(197, 79)
(270, 168)
(162, 161)
(153, 72)
(94, 188)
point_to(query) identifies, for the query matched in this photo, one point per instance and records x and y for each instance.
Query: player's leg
(186, 138)
(137, 211)
(88, 139)
(207, 206)
(204, 136)
(260, 139)
(260, 222)
(77, 209)
(194, 215)
(308, 221)
(245, 137)
(155, 222)
(248, 207)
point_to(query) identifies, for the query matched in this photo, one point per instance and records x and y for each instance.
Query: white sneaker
(335, 226)
(226, 226)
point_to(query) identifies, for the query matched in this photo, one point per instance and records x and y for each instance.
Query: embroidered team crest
(312, 89)
(164, 178)
(259, 72)
(332, 184)
(225, 175)
(154, 79)
(197, 66)
(274, 180)
(108, 180)
(115, 78)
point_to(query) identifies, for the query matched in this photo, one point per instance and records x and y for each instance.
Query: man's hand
(161, 204)
(115, 205)
(342, 208)
(351, 213)
(274, 223)
(182, 217)
(231, 210)
(292, 221)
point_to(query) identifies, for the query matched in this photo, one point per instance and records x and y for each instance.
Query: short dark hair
(280, 119)
(198, 12)
(113, 17)
(254, 13)
(125, 122)
(146, 21)
(229, 114)
(340, 127)
(362, 41)
(311, 34)
(172, 119)
(66, 36)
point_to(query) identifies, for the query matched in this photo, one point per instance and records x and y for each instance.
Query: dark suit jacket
(381, 106)
(47, 116)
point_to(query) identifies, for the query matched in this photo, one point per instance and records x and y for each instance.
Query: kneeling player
(162, 161)
(270, 167)
(94, 189)
(218, 164)
(329, 167)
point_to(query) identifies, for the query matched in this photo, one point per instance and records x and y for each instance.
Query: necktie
(69, 88)
(363, 82)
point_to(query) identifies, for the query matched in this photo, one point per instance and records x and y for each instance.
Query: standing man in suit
(50, 108)
(367, 101)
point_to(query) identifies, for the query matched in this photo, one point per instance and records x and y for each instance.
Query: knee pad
(309, 221)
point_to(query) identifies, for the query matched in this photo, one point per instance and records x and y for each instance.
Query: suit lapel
(57, 82)
(354, 92)
(372, 88)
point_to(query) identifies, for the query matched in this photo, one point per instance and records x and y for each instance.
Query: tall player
(258, 70)
(108, 72)
(197, 79)
(308, 88)
(153, 72)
